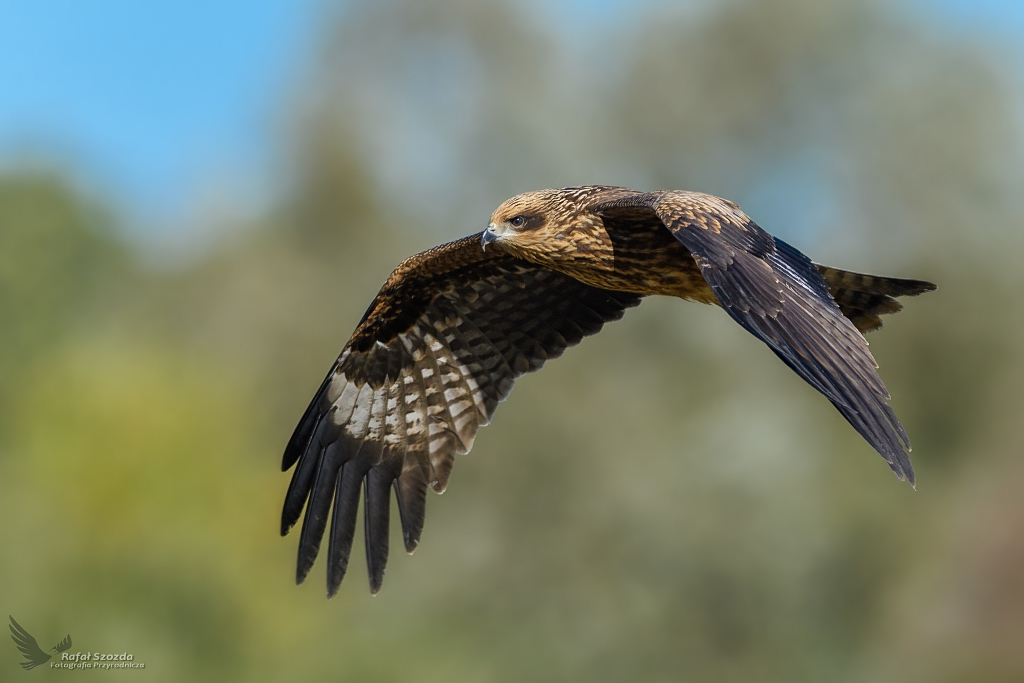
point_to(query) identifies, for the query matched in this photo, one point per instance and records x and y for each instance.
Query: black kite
(453, 327)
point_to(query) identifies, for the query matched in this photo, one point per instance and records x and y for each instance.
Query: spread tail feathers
(862, 298)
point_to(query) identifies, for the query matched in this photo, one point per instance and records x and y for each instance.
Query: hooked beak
(488, 237)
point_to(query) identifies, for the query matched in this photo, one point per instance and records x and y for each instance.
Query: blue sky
(151, 102)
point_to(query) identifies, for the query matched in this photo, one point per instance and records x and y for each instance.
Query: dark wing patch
(439, 348)
(780, 297)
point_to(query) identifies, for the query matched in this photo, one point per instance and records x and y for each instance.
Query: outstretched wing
(64, 645)
(437, 350)
(27, 645)
(780, 297)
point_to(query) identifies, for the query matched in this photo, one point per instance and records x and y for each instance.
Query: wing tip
(335, 575)
(286, 525)
(302, 572)
(903, 469)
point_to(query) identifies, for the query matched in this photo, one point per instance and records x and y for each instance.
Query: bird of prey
(453, 327)
(28, 646)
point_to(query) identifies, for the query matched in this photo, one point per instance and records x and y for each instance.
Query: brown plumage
(453, 327)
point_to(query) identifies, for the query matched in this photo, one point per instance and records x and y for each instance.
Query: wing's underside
(436, 352)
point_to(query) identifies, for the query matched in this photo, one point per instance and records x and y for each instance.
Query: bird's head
(546, 226)
(524, 219)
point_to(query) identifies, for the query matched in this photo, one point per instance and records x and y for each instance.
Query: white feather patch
(356, 426)
(344, 404)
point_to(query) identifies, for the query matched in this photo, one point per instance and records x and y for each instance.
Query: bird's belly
(684, 284)
(667, 273)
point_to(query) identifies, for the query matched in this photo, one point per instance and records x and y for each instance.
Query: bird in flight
(34, 655)
(454, 326)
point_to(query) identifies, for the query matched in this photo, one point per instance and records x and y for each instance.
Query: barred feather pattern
(863, 298)
(393, 416)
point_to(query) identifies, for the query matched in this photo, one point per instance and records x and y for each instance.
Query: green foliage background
(667, 502)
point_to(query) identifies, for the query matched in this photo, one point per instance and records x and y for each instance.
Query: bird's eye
(517, 222)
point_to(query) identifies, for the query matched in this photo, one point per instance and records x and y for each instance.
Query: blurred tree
(59, 255)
